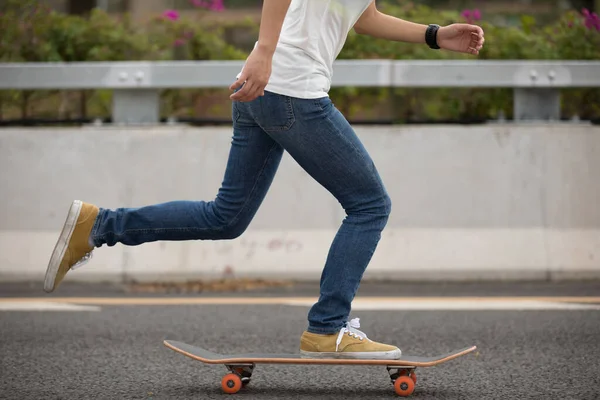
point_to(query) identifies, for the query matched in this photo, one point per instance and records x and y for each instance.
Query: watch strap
(431, 36)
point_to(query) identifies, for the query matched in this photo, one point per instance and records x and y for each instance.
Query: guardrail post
(136, 106)
(536, 104)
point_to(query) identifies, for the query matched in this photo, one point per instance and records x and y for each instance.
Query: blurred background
(123, 30)
(491, 163)
(497, 157)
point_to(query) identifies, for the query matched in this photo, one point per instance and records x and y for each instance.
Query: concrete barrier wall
(469, 202)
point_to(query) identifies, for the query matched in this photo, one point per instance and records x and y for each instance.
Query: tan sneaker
(72, 249)
(348, 343)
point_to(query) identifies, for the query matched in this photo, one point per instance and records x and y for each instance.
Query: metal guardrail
(137, 85)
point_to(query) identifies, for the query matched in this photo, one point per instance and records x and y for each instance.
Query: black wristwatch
(431, 36)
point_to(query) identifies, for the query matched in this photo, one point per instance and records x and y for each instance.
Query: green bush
(33, 33)
(567, 39)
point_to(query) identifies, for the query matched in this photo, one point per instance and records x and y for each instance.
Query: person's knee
(230, 219)
(381, 203)
(232, 230)
(385, 207)
(387, 203)
(372, 207)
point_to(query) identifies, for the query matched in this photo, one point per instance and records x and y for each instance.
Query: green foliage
(33, 33)
(188, 39)
(568, 38)
(572, 39)
(24, 26)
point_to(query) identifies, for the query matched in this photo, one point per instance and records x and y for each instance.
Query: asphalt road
(115, 351)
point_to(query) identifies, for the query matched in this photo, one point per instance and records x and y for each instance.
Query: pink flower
(596, 21)
(179, 42)
(471, 15)
(217, 5)
(589, 23)
(173, 15)
(592, 21)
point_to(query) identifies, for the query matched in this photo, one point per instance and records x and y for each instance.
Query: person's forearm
(385, 26)
(273, 14)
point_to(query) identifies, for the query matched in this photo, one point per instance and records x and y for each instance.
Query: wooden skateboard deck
(241, 366)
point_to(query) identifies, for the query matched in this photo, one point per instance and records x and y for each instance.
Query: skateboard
(240, 366)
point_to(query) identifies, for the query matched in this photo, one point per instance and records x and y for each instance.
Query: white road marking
(17, 305)
(459, 305)
(360, 303)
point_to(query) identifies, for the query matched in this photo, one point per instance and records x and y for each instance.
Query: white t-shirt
(312, 36)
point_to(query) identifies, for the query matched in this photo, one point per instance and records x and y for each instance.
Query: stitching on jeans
(94, 232)
(317, 103)
(291, 117)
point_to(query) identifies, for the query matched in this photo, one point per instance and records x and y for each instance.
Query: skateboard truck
(241, 371)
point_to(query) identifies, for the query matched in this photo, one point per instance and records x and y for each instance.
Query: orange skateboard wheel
(404, 386)
(413, 375)
(231, 383)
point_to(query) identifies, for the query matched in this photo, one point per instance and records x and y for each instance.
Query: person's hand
(462, 38)
(254, 76)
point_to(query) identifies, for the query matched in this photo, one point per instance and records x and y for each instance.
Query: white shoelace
(350, 329)
(84, 260)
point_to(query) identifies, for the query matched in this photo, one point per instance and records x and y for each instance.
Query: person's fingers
(251, 90)
(478, 43)
(245, 93)
(255, 91)
(476, 29)
(477, 35)
(477, 40)
(239, 82)
(241, 93)
(474, 41)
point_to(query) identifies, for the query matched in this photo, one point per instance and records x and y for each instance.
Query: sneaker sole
(62, 245)
(371, 355)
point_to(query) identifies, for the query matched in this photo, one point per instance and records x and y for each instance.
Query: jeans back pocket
(273, 112)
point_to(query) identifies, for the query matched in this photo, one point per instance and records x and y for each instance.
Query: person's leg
(253, 160)
(326, 147)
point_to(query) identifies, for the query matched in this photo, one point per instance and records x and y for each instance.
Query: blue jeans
(317, 136)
